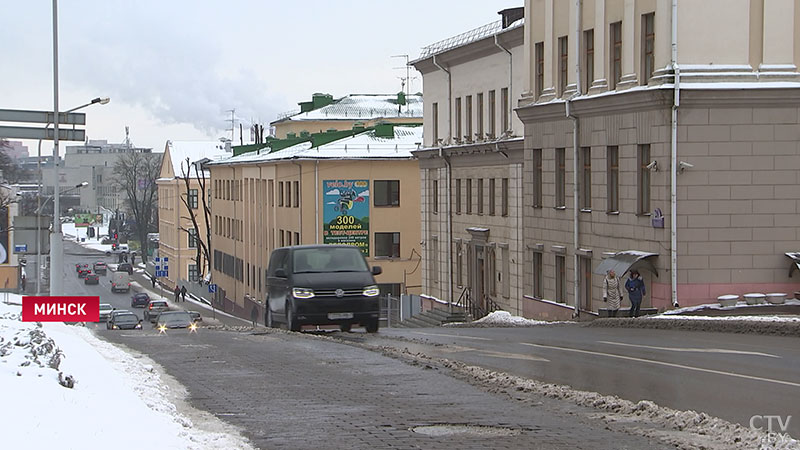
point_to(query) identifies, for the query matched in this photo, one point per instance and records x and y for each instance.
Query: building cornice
(472, 51)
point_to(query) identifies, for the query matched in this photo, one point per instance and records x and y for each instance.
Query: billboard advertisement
(88, 220)
(346, 213)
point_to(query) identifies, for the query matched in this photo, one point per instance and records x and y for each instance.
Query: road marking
(692, 350)
(662, 363)
(453, 336)
(511, 355)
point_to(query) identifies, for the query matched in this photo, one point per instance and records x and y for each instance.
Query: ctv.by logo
(783, 426)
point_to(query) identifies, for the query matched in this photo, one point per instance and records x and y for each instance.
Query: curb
(718, 326)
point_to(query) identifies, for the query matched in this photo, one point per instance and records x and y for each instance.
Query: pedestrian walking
(612, 292)
(183, 293)
(133, 259)
(636, 290)
(153, 280)
(120, 259)
(177, 293)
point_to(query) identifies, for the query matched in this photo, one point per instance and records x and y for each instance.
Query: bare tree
(136, 175)
(11, 170)
(202, 244)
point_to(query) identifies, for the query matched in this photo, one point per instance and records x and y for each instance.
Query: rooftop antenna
(407, 79)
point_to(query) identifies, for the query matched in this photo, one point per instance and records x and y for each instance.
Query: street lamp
(38, 234)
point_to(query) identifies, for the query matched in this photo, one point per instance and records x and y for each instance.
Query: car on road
(154, 308)
(117, 249)
(80, 266)
(125, 267)
(174, 319)
(120, 281)
(125, 321)
(196, 317)
(100, 268)
(117, 312)
(105, 311)
(140, 300)
(321, 285)
(83, 271)
(91, 278)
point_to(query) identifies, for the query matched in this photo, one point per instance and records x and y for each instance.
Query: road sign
(212, 288)
(158, 259)
(166, 260)
(41, 133)
(20, 248)
(28, 116)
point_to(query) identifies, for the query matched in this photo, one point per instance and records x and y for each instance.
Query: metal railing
(473, 308)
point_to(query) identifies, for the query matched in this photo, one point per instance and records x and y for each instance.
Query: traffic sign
(21, 115)
(212, 288)
(20, 248)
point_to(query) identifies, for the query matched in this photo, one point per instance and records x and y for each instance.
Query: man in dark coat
(636, 290)
(177, 293)
(183, 293)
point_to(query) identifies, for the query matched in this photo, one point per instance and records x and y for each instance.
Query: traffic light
(116, 236)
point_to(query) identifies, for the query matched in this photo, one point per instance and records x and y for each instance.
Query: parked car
(100, 267)
(125, 321)
(91, 278)
(174, 319)
(125, 267)
(321, 285)
(120, 281)
(105, 311)
(154, 308)
(140, 300)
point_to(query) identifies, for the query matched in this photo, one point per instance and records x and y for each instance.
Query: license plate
(337, 316)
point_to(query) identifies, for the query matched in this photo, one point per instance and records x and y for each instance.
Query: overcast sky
(173, 68)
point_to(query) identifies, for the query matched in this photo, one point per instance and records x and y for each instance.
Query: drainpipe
(673, 193)
(449, 230)
(510, 79)
(299, 198)
(449, 99)
(575, 152)
(316, 201)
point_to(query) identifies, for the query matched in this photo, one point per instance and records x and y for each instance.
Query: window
(643, 185)
(387, 193)
(457, 133)
(387, 245)
(469, 195)
(539, 55)
(283, 239)
(537, 178)
(468, 107)
(586, 178)
(296, 186)
(192, 233)
(193, 274)
(491, 196)
(538, 274)
(191, 198)
(492, 116)
(504, 197)
(586, 282)
(280, 193)
(435, 259)
(561, 176)
(588, 59)
(616, 55)
(271, 192)
(612, 165)
(435, 196)
(505, 254)
(561, 278)
(648, 47)
(435, 124)
(563, 62)
(459, 264)
(479, 116)
(480, 195)
(458, 196)
(296, 238)
(504, 104)
(288, 194)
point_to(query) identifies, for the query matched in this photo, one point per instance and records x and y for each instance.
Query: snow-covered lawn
(115, 397)
(76, 233)
(729, 318)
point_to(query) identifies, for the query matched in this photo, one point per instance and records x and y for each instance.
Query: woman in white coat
(612, 292)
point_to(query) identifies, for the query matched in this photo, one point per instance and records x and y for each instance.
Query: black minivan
(321, 285)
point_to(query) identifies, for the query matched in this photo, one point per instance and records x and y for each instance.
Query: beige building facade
(471, 168)
(177, 241)
(270, 200)
(688, 159)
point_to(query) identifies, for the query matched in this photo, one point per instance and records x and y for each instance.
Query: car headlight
(302, 293)
(138, 326)
(193, 327)
(371, 291)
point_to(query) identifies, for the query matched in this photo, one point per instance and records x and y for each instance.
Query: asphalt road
(731, 376)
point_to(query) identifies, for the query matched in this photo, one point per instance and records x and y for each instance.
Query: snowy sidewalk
(112, 390)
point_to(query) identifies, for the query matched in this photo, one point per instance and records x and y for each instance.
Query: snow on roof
(361, 146)
(467, 37)
(364, 107)
(195, 151)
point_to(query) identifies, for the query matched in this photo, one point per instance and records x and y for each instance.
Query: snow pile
(716, 306)
(110, 391)
(788, 319)
(504, 318)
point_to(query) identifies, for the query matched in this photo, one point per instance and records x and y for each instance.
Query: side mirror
(280, 273)
(376, 270)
